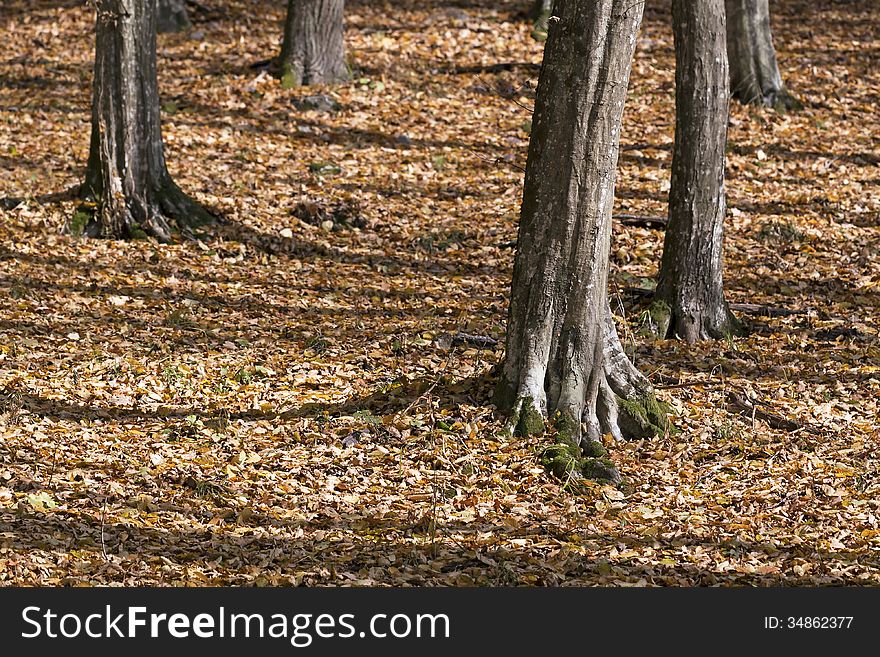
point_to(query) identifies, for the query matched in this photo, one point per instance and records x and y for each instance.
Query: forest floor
(278, 403)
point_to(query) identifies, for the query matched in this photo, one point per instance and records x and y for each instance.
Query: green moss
(643, 417)
(571, 462)
(80, 220)
(594, 449)
(561, 460)
(568, 433)
(531, 420)
(540, 27)
(288, 79)
(600, 470)
(137, 233)
(567, 430)
(661, 316)
(568, 464)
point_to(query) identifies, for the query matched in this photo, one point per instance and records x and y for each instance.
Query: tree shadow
(351, 541)
(397, 397)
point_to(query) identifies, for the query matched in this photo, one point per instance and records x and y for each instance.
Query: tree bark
(563, 356)
(313, 50)
(172, 16)
(126, 174)
(754, 71)
(689, 302)
(541, 12)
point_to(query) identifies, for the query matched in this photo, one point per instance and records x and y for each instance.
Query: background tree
(690, 300)
(313, 50)
(541, 11)
(126, 173)
(172, 16)
(563, 356)
(754, 71)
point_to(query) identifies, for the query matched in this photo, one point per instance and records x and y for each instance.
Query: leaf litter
(279, 401)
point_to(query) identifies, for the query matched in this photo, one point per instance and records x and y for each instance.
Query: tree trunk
(563, 354)
(754, 72)
(690, 296)
(126, 173)
(313, 50)
(541, 12)
(172, 16)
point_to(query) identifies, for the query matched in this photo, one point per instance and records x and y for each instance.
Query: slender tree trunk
(563, 354)
(541, 7)
(690, 296)
(541, 11)
(126, 173)
(313, 50)
(754, 71)
(172, 16)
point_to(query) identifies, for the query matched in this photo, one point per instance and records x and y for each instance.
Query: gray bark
(562, 350)
(754, 71)
(313, 50)
(126, 173)
(172, 16)
(690, 282)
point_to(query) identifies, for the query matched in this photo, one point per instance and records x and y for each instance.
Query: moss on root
(643, 417)
(562, 460)
(568, 433)
(660, 315)
(530, 421)
(525, 418)
(79, 222)
(288, 80)
(600, 470)
(571, 461)
(568, 463)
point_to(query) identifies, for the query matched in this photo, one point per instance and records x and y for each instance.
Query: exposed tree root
(620, 402)
(159, 214)
(716, 323)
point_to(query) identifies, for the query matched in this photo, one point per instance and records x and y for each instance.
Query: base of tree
(781, 100)
(579, 453)
(666, 322)
(160, 215)
(784, 101)
(292, 75)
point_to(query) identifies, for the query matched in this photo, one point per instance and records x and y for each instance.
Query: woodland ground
(273, 404)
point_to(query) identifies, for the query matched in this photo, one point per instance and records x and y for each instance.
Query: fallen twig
(476, 341)
(753, 412)
(641, 221)
(766, 311)
(103, 523)
(747, 308)
(689, 384)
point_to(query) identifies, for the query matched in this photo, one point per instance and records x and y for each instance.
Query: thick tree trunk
(126, 173)
(754, 71)
(313, 50)
(563, 354)
(172, 16)
(690, 296)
